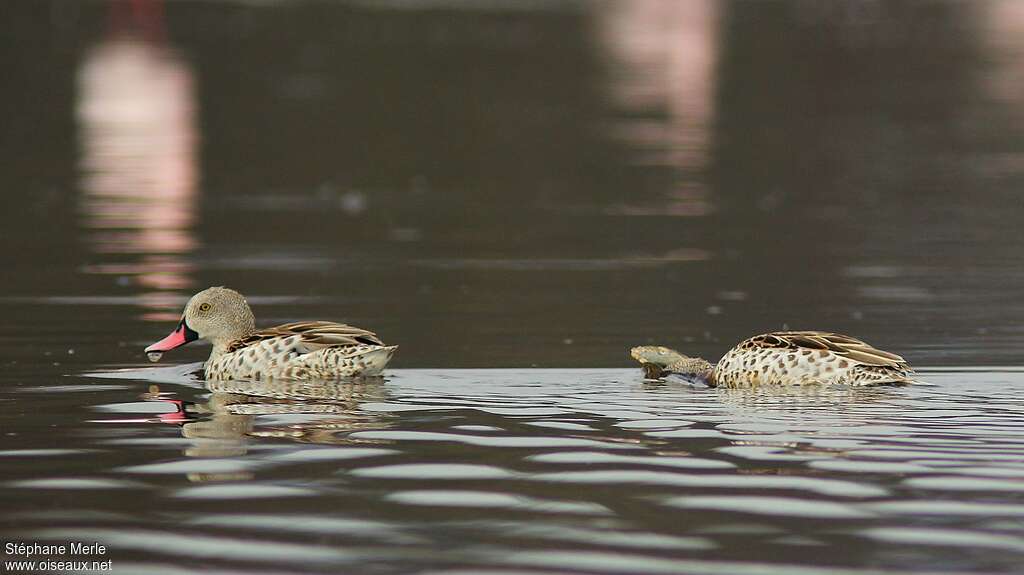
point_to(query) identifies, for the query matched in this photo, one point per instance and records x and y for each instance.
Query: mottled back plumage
(786, 358)
(312, 335)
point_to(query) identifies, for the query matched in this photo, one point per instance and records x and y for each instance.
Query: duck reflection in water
(769, 427)
(809, 398)
(222, 425)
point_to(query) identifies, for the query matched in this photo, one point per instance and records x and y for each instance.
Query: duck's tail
(374, 359)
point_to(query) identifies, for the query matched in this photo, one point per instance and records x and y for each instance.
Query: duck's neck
(219, 349)
(220, 344)
(695, 368)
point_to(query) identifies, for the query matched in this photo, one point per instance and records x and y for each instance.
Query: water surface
(520, 471)
(493, 185)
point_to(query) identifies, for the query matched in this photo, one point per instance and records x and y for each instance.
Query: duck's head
(216, 314)
(658, 361)
(655, 354)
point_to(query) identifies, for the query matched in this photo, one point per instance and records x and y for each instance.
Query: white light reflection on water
(398, 464)
(138, 167)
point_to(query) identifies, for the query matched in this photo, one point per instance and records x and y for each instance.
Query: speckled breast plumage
(285, 357)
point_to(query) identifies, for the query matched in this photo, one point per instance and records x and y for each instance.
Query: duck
(301, 350)
(783, 358)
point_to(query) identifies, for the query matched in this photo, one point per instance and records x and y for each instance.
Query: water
(520, 471)
(527, 191)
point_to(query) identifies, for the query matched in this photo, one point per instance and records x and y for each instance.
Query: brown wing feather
(842, 345)
(314, 334)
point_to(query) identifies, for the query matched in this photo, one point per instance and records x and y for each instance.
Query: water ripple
(585, 471)
(944, 537)
(421, 471)
(459, 498)
(763, 505)
(592, 457)
(205, 546)
(484, 441)
(832, 487)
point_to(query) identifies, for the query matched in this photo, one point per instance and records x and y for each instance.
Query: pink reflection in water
(138, 168)
(1004, 40)
(663, 54)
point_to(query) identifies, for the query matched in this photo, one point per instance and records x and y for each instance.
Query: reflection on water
(571, 470)
(333, 407)
(138, 167)
(235, 412)
(663, 55)
(422, 174)
(1004, 21)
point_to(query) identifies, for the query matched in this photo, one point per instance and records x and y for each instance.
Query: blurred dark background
(508, 184)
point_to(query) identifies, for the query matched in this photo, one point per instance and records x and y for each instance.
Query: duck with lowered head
(300, 350)
(784, 358)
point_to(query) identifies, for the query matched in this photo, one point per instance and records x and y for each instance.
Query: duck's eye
(204, 307)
